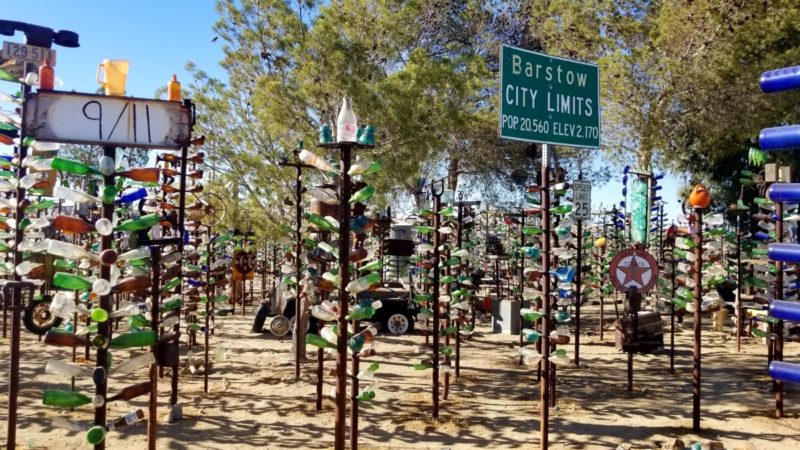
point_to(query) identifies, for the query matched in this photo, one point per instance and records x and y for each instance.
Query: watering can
(115, 73)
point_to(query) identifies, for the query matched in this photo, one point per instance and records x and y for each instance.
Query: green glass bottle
(318, 341)
(561, 209)
(141, 223)
(374, 265)
(71, 282)
(73, 167)
(363, 310)
(135, 339)
(64, 399)
(363, 195)
(424, 229)
(447, 279)
(171, 304)
(321, 222)
(171, 284)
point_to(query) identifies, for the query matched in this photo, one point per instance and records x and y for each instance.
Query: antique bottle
(346, 123)
(126, 420)
(174, 89)
(46, 76)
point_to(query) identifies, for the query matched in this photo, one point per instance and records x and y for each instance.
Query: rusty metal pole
(459, 243)
(698, 293)
(13, 370)
(672, 316)
(344, 299)
(299, 347)
(437, 205)
(738, 282)
(578, 286)
(104, 328)
(544, 401)
(778, 354)
(155, 291)
(521, 276)
(211, 291)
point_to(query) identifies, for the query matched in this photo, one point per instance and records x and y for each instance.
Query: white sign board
(582, 197)
(28, 53)
(92, 119)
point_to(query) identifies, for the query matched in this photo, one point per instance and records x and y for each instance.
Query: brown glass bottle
(142, 174)
(196, 158)
(128, 419)
(131, 392)
(71, 225)
(132, 284)
(64, 339)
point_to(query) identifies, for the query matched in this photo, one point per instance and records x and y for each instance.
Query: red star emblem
(634, 272)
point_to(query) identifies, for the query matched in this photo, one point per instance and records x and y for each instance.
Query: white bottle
(346, 123)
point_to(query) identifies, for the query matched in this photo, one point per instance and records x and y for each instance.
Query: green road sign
(548, 100)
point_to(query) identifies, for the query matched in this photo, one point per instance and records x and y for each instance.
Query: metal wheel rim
(397, 323)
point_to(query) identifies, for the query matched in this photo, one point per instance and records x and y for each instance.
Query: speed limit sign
(582, 197)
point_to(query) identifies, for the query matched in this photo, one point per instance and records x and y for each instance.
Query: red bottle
(47, 76)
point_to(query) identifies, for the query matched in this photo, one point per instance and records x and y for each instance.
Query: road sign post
(549, 100)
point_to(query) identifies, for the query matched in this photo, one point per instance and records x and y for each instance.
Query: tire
(398, 323)
(37, 317)
(261, 318)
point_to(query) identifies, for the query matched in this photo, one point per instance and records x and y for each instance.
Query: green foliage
(679, 86)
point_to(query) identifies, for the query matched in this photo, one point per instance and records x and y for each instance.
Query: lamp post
(41, 37)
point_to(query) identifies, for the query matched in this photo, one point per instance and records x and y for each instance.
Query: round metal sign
(633, 269)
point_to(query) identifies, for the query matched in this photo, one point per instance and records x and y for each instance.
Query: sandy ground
(494, 404)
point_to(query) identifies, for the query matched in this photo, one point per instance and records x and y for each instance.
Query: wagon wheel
(212, 212)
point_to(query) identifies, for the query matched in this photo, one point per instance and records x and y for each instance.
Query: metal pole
(698, 293)
(155, 290)
(299, 343)
(778, 354)
(672, 317)
(104, 328)
(344, 299)
(738, 282)
(578, 283)
(544, 400)
(437, 205)
(459, 243)
(173, 396)
(211, 291)
(521, 275)
(13, 370)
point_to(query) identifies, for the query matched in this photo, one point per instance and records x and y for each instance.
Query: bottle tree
(350, 230)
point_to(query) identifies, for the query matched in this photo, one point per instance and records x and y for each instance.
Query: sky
(158, 38)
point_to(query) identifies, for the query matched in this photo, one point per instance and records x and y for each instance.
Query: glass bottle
(64, 399)
(140, 223)
(73, 167)
(363, 283)
(126, 420)
(142, 174)
(132, 284)
(363, 195)
(132, 365)
(73, 195)
(71, 225)
(346, 123)
(133, 339)
(71, 282)
(132, 391)
(174, 89)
